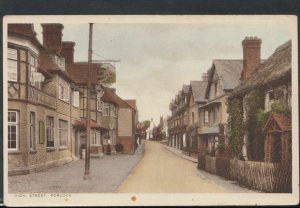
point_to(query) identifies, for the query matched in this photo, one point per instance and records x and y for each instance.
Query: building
(270, 83)
(196, 98)
(42, 101)
(223, 78)
(127, 126)
(179, 119)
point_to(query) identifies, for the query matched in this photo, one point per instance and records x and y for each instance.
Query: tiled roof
(132, 103)
(79, 72)
(110, 96)
(24, 31)
(229, 72)
(283, 122)
(198, 90)
(278, 65)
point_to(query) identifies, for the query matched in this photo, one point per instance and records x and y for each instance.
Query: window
(32, 131)
(216, 89)
(105, 109)
(63, 92)
(35, 78)
(59, 61)
(113, 110)
(206, 116)
(12, 55)
(99, 105)
(75, 100)
(50, 131)
(13, 130)
(96, 138)
(193, 118)
(63, 133)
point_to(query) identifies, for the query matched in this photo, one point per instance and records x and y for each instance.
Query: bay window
(12, 55)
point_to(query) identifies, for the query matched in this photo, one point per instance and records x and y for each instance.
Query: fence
(263, 176)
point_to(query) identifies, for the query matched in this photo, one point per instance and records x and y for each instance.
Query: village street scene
(149, 108)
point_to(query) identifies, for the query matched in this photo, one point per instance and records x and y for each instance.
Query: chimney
(251, 56)
(52, 36)
(204, 77)
(67, 51)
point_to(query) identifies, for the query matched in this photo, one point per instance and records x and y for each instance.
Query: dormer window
(60, 62)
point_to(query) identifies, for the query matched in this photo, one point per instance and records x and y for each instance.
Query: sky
(156, 59)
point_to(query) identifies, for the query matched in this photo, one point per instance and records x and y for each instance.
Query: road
(161, 171)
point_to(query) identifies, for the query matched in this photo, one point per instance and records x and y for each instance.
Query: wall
(128, 144)
(125, 122)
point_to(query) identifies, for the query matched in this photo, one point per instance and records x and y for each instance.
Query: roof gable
(228, 71)
(278, 120)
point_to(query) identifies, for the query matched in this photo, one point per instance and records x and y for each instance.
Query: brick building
(42, 103)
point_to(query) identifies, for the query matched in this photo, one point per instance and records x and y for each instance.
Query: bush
(119, 147)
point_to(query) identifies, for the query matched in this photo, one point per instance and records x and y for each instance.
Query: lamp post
(88, 126)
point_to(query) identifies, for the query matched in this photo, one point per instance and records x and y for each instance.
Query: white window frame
(206, 117)
(63, 92)
(63, 133)
(75, 100)
(32, 128)
(12, 69)
(50, 131)
(16, 125)
(96, 138)
(105, 109)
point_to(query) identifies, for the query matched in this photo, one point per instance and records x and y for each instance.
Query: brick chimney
(251, 56)
(67, 51)
(204, 77)
(52, 36)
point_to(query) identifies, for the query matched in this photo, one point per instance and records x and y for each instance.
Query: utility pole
(88, 126)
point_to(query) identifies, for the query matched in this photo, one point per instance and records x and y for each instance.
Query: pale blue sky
(157, 59)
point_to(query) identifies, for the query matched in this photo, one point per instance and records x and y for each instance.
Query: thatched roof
(277, 66)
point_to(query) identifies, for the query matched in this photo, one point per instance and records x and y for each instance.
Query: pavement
(106, 173)
(218, 180)
(162, 171)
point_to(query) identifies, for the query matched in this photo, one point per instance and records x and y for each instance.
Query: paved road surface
(106, 175)
(161, 171)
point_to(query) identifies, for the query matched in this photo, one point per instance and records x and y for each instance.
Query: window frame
(16, 124)
(105, 107)
(32, 127)
(63, 133)
(50, 129)
(13, 60)
(206, 117)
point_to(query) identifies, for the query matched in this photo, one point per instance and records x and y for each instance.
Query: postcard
(114, 110)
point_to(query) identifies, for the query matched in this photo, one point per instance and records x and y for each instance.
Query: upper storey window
(60, 62)
(35, 78)
(12, 55)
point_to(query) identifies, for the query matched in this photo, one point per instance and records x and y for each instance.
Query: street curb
(180, 155)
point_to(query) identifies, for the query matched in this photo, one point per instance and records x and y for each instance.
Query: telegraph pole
(88, 126)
